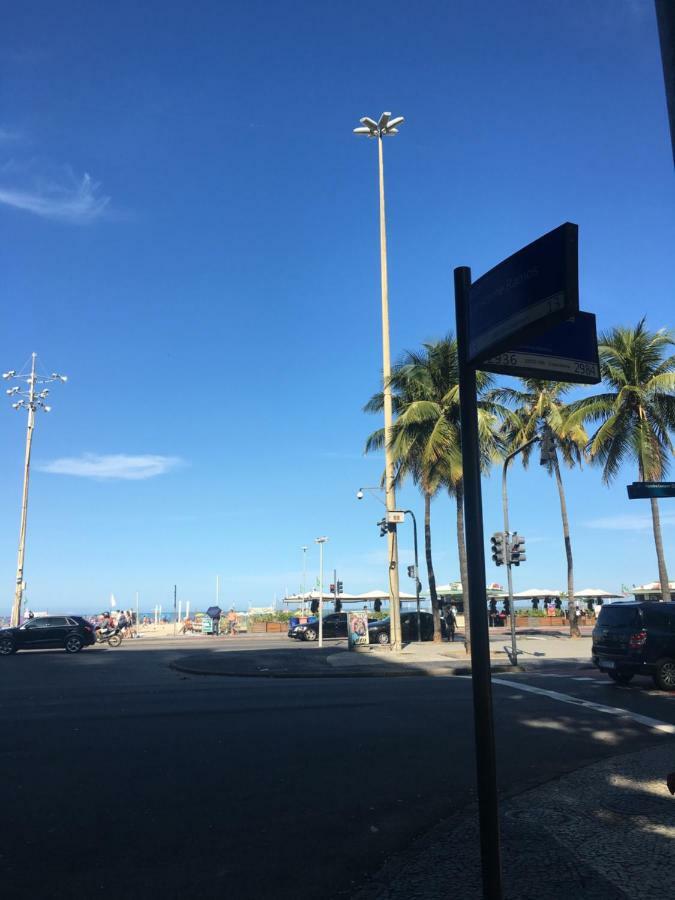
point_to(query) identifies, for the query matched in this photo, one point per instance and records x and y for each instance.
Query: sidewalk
(604, 832)
(336, 661)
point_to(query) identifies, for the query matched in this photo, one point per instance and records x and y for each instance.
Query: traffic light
(517, 549)
(339, 587)
(507, 605)
(314, 606)
(498, 541)
(412, 572)
(338, 605)
(547, 447)
(383, 527)
(377, 605)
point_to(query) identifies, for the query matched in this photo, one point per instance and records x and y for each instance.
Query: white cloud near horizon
(63, 197)
(9, 135)
(113, 466)
(629, 522)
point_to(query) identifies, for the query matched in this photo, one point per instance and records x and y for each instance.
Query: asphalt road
(124, 778)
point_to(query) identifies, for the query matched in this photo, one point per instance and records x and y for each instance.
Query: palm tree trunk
(463, 567)
(658, 541)
(571, 607)
(435, 611)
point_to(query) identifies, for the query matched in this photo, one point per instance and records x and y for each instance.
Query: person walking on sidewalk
(215, 618)
(450, 621)
(232, 622)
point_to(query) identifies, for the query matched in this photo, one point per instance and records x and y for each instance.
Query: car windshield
(621, 616)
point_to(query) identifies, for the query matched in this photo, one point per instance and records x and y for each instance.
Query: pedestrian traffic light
(507, 605)
(412, 572)
(377, 605)
(314, 606)
(498, 541)
(517, 549)
(331, 588)
(339, 587)
(338, 605)
(384, 527)
(547, 447)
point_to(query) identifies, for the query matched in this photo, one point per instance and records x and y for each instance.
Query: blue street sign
(524, 295)
(648, 490)
(566, 352)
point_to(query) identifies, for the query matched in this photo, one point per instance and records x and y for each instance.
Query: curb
(345, 673)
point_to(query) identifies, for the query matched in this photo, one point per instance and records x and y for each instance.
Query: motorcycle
(110, 636)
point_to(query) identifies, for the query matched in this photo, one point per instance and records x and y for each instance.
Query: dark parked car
(47, 632)
(378, 632)
(636, 639)
(293, 626)
(334, 626)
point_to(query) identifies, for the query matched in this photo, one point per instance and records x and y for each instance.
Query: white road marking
(656, 724)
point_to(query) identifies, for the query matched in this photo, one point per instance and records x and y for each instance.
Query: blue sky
(188, 228)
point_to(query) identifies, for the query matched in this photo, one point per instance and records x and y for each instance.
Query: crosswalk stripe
(656, 724)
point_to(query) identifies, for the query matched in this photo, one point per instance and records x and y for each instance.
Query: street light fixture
(384, 127)
(320, 541)
(31, 400)
(304, 576)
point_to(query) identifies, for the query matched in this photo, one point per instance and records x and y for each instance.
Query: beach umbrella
(536, 593)
(595, 594)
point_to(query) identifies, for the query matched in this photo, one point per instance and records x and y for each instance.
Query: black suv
(636, 639)
(378, 632)
(47, 632)
(334, 626)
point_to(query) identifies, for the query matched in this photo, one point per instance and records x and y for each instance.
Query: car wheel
(621, 676)
(309, 635)
(664, 676)
(7, 646)
(383, 638)
(73, 643)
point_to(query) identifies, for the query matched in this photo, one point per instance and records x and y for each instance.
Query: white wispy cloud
(62, 196)
(629, 522)
(113, 466)
(9, 135)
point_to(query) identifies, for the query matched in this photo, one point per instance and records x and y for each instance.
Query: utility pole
(418, 586)
(321, 541)
(304, 577)
(386, 126)
(507, 545)
(32, 400)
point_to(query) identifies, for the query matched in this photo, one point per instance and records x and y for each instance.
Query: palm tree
(538, 406)
(409, 443)
(426, 439)
(637, 414)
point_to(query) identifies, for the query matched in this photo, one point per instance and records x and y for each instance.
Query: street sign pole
(486, 767)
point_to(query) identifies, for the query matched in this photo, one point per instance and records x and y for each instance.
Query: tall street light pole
(387, 126)
(304, 575)
(31, 399)
(320, 541)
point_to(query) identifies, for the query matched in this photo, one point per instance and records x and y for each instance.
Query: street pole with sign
(505, 322)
